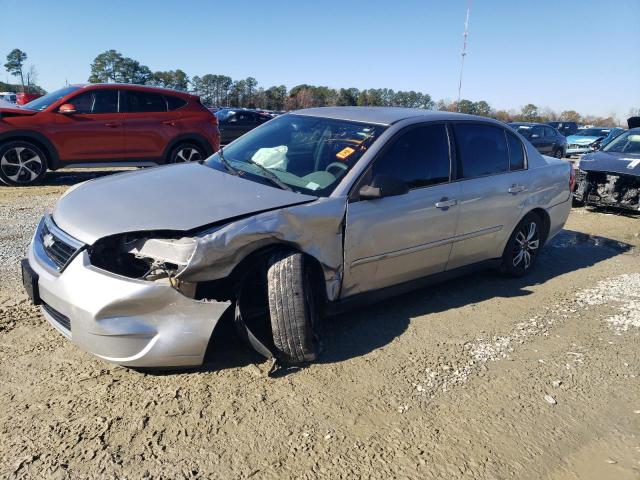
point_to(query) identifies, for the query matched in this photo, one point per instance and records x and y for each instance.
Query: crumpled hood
(173, 197)
(581, 140)
(622, 163)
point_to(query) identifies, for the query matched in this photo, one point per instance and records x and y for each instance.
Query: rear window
(174, 103)
(145, 102)
(482, 150)
(516, 152)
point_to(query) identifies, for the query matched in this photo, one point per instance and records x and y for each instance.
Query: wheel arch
(196, 138)
(546, 221)
(39, 140)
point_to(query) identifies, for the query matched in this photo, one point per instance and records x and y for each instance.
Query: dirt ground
(481, 377)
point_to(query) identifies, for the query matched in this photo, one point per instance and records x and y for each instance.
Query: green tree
(466, 106)
(571, 116)
(529, 113)
(105, 67)
(15, 64)
(482, 108)
(176, 79)
(348, 96)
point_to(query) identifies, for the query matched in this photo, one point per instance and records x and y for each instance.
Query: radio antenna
(464, 50)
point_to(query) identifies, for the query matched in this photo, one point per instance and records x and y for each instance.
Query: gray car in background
(313, 212)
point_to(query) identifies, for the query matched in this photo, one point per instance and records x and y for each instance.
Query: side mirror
(67, 109)
(383, 186)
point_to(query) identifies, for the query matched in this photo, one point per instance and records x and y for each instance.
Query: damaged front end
(608, 189)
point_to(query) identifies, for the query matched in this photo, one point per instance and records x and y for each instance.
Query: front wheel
(293, 308)
(22, 164)
(558, 153)
(523, 247)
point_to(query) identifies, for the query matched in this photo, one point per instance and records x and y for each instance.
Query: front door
(94, 132)
(396, 239)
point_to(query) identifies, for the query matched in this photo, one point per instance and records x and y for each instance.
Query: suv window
(549, 132)
(482, 150)
(246, 117)
(145, 102)
(516, 152)
(420, 157)
(174, 103)
(96, 101)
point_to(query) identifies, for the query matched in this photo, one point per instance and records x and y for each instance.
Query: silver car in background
(310, 213)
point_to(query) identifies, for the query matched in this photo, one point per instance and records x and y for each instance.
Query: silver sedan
(313, 212)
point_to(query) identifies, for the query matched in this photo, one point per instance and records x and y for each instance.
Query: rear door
(149, 125)
(95, 131)
(491, 172)
(397, 239)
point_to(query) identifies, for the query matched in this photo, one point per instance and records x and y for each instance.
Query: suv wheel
(186, 152)
(523, 246)
(558, 153)
(292, 307)
(22, 163)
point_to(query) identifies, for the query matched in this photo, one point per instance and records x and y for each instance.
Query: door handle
(113, 124)
(517, 188)
(446, 203)
(171, 123)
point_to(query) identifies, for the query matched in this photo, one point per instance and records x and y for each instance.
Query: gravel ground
(481, 377)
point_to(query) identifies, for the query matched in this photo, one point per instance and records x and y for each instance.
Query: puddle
(583, 241)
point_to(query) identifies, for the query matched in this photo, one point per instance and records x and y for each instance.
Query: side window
(537, 130)
(96, 102)
(145, 102)
(246, 117)
(420, 157)
(516, 152)
(548, 132)
(482, 150)
(174, 103)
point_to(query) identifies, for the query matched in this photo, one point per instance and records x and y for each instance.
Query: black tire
(523, 247)
(22, 163)
(558, 153)
(292, 307)
(186, 152)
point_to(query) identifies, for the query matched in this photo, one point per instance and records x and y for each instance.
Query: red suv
(106, 125)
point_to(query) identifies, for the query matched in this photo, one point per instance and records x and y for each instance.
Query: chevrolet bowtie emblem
(48, 240)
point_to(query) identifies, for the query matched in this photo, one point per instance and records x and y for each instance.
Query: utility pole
(464, 49)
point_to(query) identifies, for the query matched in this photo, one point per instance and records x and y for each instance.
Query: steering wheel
(342, 167)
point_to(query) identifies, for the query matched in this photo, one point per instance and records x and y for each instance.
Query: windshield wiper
(226, 163)
(270, 176)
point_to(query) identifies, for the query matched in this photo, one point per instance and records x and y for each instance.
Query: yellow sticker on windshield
(345, 153)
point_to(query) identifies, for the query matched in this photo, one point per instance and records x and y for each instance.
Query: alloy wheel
(21, 164)
(187, 154)
(526, 246)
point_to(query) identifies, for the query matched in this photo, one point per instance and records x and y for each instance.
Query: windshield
(593, 132)
(628, 142)
(48, 99)
(305, 154)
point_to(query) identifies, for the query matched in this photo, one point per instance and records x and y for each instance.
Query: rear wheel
(22, 163)
(293, 308)
(523, 246)
(186, 152)
(558, 153)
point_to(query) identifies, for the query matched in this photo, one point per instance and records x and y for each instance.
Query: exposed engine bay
(608, 189)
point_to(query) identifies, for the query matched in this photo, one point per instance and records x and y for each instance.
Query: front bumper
(126, 321)
(577, 150)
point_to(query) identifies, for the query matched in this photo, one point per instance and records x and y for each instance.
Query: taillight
(572, 177)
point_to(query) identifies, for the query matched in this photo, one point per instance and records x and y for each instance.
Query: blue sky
(563, 54)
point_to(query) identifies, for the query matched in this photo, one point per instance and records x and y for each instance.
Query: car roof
(385, 115)
(133, 86)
